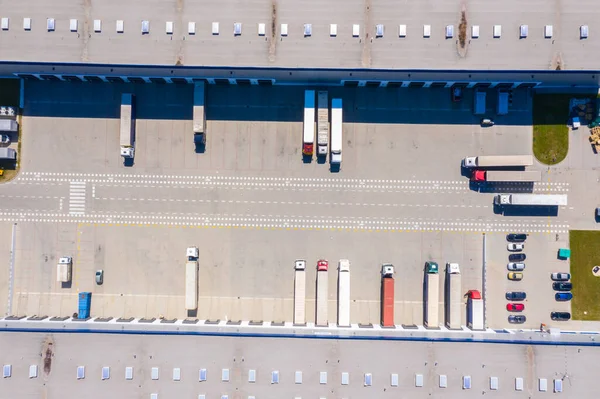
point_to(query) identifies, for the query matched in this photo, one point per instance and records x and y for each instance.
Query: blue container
(85, 303)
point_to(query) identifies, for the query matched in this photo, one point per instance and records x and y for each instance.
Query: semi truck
(308, 140)
(336, 131)
(300, 292)
(322, 123)
(9, 125)
(502, 105)
(344, 293)
(85, 304)
(531, 199)
(8, 153)
(387, 295)
(191, 285)
(479, 102)
(432, 282)
(497, 161)
(199, 122)
(475, 316)
(453, 296)
(322, 293)
(64, 269)
(480, 175)
(127, 126)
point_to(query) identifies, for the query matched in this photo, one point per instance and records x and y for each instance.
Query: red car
(322, 265)
(515, 307)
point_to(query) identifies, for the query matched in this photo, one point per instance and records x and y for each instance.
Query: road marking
(77, 197)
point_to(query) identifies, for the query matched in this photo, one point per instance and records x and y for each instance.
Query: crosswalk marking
(77, 191)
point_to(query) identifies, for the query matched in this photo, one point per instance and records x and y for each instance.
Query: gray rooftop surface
(565, 49)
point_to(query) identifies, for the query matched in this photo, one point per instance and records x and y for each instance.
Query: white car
(516, 267)
(515, 246)
(560, 276)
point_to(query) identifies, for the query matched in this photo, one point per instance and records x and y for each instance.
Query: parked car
(515, 246)
(517, 319)
(560, 316)
(4, 139)
(322, 265)
(516, 237)
(516, 267)
(517, 257)
(563, 296)
(515, 276)
(558, 286)
(516, 296)
(515, 307)
(99, 277)
(560, 276)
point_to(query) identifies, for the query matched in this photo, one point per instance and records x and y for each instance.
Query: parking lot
(249, 202)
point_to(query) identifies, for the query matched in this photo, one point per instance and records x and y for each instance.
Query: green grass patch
(10, 90)
(585, 254)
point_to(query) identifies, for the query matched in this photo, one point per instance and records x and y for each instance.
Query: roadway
(65, 352)
(251, 204)
(564, 50)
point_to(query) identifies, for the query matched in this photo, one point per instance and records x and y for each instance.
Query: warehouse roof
(384, 35)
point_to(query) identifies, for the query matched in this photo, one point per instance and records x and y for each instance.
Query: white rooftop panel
(497, 31)
(201, 396)
(518, 384)
(466, 382)
(80, 372)
(284, 29)
(548, 31)
(176, 374)
(237, 29)
(493, 383)
(379, 30)
(215, 28)
(252, 376)
(202, 375)
(7, 371)
(368, 379)
(419, 380)
(275, 377)
(323, 377)
(558, 386)
(261, 29)
(50, 24)
(33, 371)
(169, 27)
(394, 380)
(225, 375)
(345, 378)
(449, 31)
(27, 23)
(129, 373)
(97, 25)
(4, 23)
(153, 396)
(333, 30)
(73, 24)
(475, 31)
(523, 31)
(298, 377)
(443, 381)
(307, 30)
(583, 32)
(355, 30)
(402, 30)
(191, 28)
(543, 385)
(145, 27)
(154, 373)
(105, 373)
(426, 30)
(120, 26)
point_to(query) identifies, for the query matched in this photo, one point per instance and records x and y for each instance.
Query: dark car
(516, 296)
(560, 316)
(516, 237)
(559, 286)
(517, 319)
(563, 296)
(516, 257)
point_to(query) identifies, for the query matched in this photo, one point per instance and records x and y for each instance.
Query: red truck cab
(322, 265)
(478, 175)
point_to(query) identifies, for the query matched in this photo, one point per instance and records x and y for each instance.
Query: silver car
(99, 277)
(516, 267)
(560, 276)
(515, 246)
